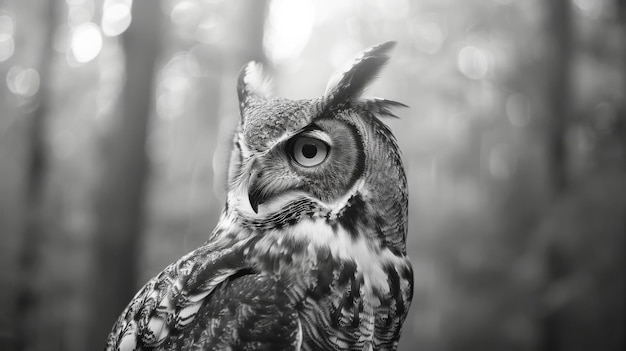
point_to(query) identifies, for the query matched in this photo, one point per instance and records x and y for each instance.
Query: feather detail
(379, 107)
(252, 84)
(348, 85)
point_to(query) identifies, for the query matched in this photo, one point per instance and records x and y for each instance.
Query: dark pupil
(309, 150)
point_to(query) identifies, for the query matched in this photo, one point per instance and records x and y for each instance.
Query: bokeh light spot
(474, 62)
(7, 26)
(201, 60)
(591, 8)
(186, 13)
(289, 27)
(23, 81)
(7, 47)
(86, 42)
(174, 88)
(7, 44)
(116, 17)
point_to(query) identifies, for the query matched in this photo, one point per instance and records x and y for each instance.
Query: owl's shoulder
(208, 296)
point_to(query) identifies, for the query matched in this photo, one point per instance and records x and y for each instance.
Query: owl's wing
(209, 300)
(249, 312)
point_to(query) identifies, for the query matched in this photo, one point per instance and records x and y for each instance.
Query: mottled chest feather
(347, 290)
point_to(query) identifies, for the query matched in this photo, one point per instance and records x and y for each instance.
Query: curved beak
(255, 191)
(264, 183)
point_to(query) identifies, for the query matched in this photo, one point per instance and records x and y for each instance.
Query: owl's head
(329, 157)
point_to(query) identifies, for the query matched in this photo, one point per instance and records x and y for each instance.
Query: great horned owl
(309, 252)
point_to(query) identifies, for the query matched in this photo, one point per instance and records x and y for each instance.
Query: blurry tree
(558, 99)
(250, 17)
(621, 128)
(28, 296)
(121, 193)
(558, 110)
(581, 235)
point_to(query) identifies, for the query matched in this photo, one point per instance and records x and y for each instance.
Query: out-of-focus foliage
(502, 260)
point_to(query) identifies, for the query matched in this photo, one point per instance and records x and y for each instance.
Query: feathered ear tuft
(380, 107)
(252, 84)
(348, 85)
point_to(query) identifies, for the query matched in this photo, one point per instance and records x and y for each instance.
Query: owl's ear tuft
(347, 85)
(252, 84)
(380, 107)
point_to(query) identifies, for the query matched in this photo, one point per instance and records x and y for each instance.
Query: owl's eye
(309, 152)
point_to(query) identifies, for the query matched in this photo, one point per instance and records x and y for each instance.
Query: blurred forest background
(115, 124)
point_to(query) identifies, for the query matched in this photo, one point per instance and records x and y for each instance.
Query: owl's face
(329, 154)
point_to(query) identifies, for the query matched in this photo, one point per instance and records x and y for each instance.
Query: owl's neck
(374, 214)
(349, 222)
(301, 238)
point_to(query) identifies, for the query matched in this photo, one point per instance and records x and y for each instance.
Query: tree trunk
(559, 33)
(253, 13)
(28, 297)
(621, 128)
(559, 37)
(120, 197)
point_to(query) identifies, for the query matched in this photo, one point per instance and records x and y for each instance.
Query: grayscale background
(115, 126)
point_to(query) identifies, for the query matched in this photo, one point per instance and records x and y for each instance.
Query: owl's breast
(348, 294)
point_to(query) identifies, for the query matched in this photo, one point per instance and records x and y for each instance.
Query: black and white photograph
(376, 175)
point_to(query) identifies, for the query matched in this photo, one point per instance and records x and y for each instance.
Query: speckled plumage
(309, 253)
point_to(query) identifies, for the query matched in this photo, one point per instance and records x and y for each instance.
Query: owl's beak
(255, 193)
(265, 183)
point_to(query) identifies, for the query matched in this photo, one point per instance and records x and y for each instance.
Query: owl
(309, 252)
